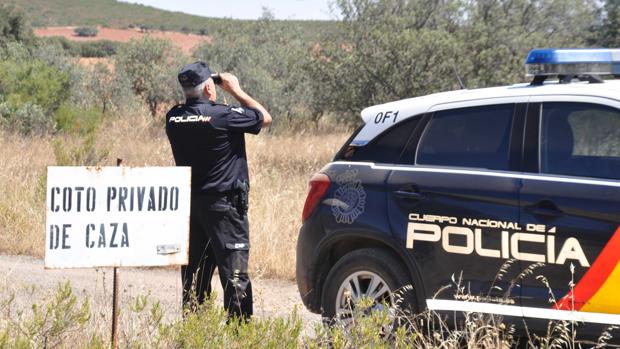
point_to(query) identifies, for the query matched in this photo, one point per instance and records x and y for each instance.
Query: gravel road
(31, 283)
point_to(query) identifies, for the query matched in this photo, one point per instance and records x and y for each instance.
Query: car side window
(477, 137)
(388, 146)
(580, 139)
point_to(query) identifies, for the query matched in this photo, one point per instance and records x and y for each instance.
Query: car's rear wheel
(370, 278)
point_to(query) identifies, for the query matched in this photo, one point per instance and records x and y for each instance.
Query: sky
(246, 9)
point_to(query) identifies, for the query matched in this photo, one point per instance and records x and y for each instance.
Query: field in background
(108, 13)
(280, 167)
(185, 41)
(116, 14)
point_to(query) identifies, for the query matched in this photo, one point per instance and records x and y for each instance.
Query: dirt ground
(31, 283)
(186, 41)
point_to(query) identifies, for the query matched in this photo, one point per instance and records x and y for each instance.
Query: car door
(454, 203)
(570, 207)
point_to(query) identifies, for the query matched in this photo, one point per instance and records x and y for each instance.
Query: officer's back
(209, 137)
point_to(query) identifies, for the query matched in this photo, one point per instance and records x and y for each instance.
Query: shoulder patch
(238, 110)
(176, 110)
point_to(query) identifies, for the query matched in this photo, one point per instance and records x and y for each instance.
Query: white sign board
(117, 216)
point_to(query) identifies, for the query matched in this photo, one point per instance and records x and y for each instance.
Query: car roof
(376, 121)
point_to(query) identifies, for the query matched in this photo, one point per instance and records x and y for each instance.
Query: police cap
(194, 74)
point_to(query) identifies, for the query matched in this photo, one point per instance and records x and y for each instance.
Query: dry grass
(280, 167)
(22, 193)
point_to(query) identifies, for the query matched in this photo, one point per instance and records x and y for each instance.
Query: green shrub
(26, 118)
(150, 65)
(84, 154)
(65, 322)
(14, 26)
(99, 48)
(86, 31)
(77, 120)
(32, 89)
(84, 122)
(47, 325)
(33, 81)
(208, 327)
(69, 47)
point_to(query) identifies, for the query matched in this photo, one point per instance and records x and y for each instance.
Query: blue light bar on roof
(551, 61)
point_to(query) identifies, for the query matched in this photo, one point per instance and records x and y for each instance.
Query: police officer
(209, 137)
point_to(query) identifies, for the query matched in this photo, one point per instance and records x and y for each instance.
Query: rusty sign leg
(115, 301)
(115, 310)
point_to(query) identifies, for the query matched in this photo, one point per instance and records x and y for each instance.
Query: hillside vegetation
(112, 13)
(379, 52)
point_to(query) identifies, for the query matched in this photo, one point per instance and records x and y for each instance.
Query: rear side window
(387, 147)
(477, 137)
(580, 139)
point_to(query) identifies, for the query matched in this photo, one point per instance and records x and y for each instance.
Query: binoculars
(217, 79)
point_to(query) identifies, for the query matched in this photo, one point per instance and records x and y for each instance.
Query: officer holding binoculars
(209, 137)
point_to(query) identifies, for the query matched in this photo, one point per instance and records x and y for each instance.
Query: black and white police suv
(462, 182)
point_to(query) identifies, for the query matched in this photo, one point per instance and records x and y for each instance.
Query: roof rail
(566, 79)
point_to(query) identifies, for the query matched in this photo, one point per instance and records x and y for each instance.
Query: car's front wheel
(370, 278)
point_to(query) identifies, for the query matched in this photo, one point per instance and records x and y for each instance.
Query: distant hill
(111, 13)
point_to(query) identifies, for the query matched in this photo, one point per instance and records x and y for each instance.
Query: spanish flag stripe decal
(595, 277)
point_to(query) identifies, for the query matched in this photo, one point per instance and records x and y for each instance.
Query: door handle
(411, 195)
(545, 208)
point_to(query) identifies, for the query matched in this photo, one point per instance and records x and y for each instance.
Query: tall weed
(47, 325)
(64, 321)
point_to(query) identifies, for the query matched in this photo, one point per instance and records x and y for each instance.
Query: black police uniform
(209, 137)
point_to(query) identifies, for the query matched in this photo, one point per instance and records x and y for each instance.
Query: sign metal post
(115, 311)
(115, 305)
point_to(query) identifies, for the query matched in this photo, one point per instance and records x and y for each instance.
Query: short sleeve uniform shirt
(209, 137)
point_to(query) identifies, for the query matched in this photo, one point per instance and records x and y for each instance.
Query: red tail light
(319, 183)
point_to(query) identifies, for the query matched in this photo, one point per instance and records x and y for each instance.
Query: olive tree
(151, 66)
(385, 50)
(498, 34)
(109, 92)
(608, 28)
(268, 58)
(14, 26)
(393, 49)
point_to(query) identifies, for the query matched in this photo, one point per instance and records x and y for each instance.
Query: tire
(366, 265)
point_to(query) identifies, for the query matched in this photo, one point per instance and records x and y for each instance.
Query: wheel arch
(338, 244)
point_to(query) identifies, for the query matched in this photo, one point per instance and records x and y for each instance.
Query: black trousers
(219, 236)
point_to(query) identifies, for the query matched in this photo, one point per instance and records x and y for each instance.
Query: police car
(514, 190)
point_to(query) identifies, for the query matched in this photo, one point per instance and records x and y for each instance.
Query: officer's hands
(230, 83)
